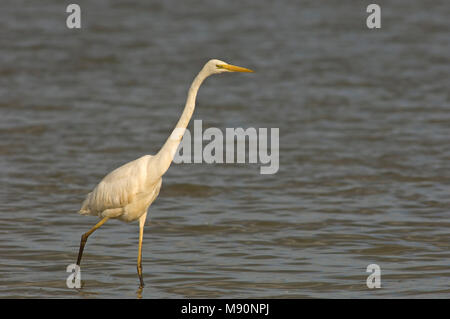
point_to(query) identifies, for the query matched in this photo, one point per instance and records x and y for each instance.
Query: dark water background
(364, 118)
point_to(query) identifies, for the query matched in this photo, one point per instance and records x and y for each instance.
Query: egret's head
(215, 66)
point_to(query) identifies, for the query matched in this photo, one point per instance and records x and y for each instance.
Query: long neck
(164, 157)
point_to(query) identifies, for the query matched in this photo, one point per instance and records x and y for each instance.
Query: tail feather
(84, 212)
(84, 207)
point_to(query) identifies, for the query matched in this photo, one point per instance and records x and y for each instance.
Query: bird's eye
(219, 66)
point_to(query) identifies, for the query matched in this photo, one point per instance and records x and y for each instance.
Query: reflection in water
(139, 293)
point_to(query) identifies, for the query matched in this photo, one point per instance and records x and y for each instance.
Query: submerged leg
(141, 237)
(85, 236)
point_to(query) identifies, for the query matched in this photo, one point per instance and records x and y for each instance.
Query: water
(364, 148)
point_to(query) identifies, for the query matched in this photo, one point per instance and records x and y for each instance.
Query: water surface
(364, 148)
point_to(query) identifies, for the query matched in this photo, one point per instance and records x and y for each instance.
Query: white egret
(127, 192)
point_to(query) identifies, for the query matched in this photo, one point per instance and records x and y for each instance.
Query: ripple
(364, 158)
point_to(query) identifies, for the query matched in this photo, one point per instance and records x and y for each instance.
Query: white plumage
(127, 192)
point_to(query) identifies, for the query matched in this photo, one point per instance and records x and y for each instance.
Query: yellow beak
(234, 68)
